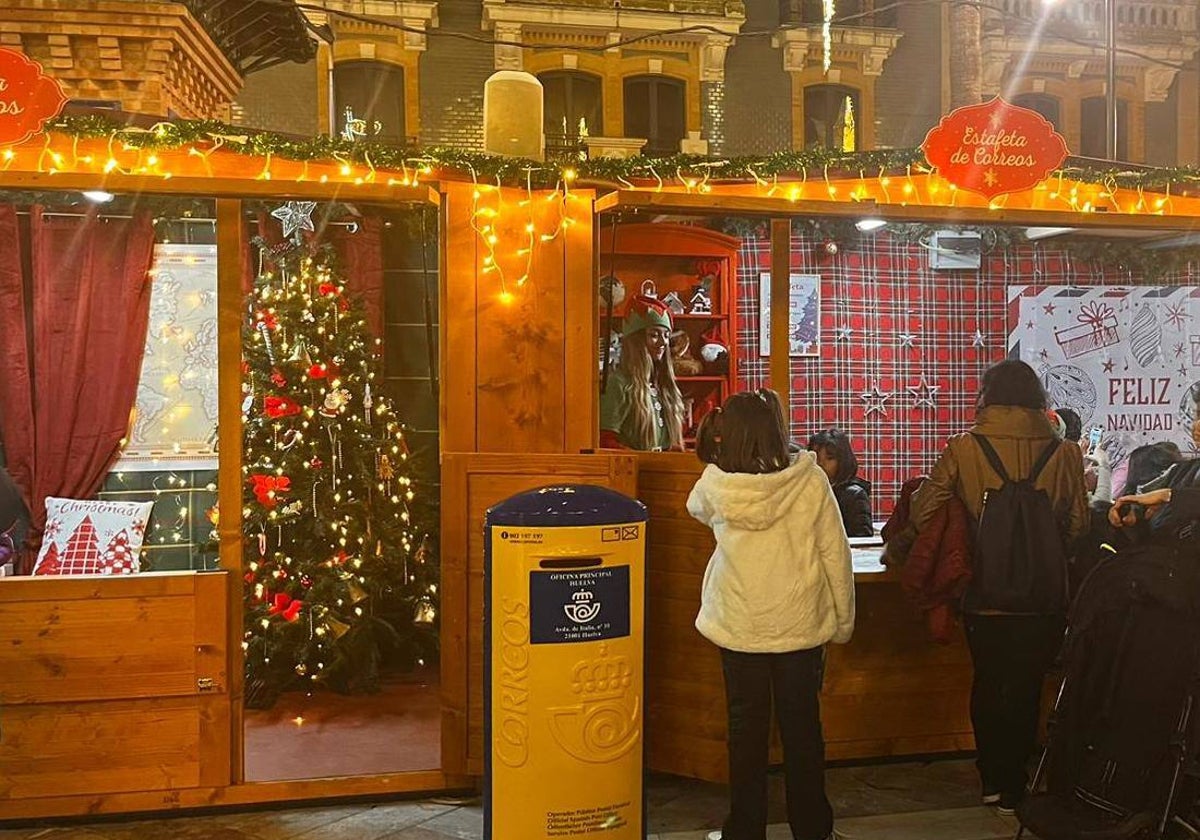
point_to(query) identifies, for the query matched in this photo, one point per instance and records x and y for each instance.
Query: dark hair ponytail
(708, 437)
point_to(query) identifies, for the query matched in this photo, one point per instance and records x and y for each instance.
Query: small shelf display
(693, 270)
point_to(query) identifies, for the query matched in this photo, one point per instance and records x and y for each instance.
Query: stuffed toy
(714, 351)
(682, 360)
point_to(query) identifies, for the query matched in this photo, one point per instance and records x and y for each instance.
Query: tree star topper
(295, 216)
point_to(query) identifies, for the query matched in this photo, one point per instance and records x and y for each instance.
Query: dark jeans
(793, 680)
(1011, 655)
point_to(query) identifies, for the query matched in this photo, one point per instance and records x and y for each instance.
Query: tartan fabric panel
(881, 288)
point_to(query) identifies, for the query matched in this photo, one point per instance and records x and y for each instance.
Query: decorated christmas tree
(339, 580)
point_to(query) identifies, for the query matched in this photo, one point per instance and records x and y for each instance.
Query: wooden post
(781, 264)
(231, 241)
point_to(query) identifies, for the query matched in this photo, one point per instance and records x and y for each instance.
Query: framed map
(175, 417)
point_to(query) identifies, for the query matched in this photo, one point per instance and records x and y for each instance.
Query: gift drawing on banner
(175, 415)
(1096, 330)
(804, 315)
(1123, 358)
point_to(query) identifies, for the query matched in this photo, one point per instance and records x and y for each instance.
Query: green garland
(611, 171)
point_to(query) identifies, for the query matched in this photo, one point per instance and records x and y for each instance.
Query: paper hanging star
(876, 400)
(978, 340)
(295, 216)
(843, 333)
(1176, 314)
(923, 393)
(907, 339)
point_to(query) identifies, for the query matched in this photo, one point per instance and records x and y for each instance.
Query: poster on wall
(1127, 359)
(804, 315)
(175, 417)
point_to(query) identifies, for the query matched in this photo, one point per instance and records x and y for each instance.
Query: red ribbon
(328, 289)
(276, 407)
(285, 606)
(268, 487)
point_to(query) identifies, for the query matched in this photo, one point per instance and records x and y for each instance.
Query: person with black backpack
(1025, 492)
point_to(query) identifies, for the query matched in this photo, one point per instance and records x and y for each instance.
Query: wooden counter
(890, 691)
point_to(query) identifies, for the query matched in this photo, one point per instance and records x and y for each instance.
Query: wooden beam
(216, 187)
(231, 243)
(714, 204)
(781, 270)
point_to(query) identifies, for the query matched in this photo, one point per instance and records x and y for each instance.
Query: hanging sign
(994, 148)
(28, 97)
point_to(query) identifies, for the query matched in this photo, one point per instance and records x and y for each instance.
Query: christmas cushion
(92, 537)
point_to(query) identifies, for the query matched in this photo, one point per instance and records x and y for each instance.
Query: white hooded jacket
(781, 577)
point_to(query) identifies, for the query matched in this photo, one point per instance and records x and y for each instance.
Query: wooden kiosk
(518, 409)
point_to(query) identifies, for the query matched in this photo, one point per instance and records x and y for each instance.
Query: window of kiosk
(340, 510)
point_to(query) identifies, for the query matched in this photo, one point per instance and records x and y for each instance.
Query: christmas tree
(339, 578)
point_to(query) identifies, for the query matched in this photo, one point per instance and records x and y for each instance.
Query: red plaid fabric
(882, 289)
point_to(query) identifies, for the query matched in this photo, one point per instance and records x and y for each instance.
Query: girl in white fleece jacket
(779, 586)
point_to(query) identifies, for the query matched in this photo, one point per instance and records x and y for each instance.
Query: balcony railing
(1178, 16)
(848, 13)
(709, 8)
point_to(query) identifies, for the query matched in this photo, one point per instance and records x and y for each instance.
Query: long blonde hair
(636, 362)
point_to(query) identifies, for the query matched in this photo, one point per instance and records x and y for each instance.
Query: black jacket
(854, 501)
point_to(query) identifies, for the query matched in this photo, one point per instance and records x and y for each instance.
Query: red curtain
(361, 256)
(68, 408)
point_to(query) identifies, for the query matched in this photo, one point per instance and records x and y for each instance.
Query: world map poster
(175, 418)
(1127, 359)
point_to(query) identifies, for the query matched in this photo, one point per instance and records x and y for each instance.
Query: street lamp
(1110, 80)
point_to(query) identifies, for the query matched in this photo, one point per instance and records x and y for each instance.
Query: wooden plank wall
(104, 688)
(891, 691)
(518, 372)
(471, 483)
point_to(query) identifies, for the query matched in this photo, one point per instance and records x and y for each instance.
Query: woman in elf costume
(640, 406)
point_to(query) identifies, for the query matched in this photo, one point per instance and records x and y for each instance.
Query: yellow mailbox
(564, 592)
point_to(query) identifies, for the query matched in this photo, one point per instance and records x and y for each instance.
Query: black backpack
(1020, 561)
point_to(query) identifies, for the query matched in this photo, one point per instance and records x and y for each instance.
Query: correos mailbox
(564, 584)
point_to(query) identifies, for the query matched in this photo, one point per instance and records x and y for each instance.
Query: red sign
(28, 97)
(994, 148)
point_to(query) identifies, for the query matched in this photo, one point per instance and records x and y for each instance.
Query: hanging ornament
(277, 407)
(299, 351)
(294, 508)
(908, 340)
(979, 340)
(367, 403)
(830, 247)
(277, 378)
(424, 612)
(876, 400)
(306, 581)
(357, 593)
(316, 463)
(844, 332)
(334, 402)
(262, 544)
(290, 438)
(302, 669)
(386, 473)
(265, 331)
(923, 393)
(337, 629)
(295, 216)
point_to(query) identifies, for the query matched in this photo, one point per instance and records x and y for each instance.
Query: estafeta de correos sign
(28, 97)
(994, 148)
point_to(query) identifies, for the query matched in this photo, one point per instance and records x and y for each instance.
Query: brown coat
(1018, 435)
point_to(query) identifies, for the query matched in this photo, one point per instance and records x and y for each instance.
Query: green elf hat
(645, 310)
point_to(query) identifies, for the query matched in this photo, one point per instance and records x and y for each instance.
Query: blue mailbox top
(566, 506)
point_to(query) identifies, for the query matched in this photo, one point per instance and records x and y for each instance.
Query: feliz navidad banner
(1125, 359)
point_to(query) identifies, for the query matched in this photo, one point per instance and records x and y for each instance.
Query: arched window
(1093, 128)
(374, 92)
(831, 117)
(656, 109)
(573, 108)
(1047, 106)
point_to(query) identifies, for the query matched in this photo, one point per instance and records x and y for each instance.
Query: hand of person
(1119, 516)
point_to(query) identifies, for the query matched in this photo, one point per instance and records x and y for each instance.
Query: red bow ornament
(328, 289)
(276, 407)
(267, 488)
(285, 606)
